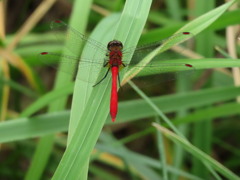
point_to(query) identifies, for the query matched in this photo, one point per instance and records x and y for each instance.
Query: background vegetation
(55, 128)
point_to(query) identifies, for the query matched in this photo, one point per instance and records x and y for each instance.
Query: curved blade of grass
(197, 153)
(198, 64)
(157, 34)
(82, 6)
(156, 109)
(229, 18)
(195, 27)
(83, 90)
(96, 106)
(204, 21)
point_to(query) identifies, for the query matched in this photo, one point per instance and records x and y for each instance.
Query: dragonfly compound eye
(114, 44)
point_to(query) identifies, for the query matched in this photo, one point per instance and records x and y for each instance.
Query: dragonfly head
(115, 45)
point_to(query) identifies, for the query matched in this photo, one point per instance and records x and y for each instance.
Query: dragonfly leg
(102, 78)
(106, 64)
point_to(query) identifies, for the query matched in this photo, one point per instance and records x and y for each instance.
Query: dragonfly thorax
(115, 58)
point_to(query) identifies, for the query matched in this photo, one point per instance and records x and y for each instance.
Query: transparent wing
(159, 72)
(63, 31)
(53, 60)
(157, 64)
(140, 52)
(93, 61)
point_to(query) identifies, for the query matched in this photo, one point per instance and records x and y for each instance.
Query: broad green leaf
(79, 22)
(24, 128)
(95, 101)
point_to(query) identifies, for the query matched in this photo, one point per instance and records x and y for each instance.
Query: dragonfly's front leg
(105, 65)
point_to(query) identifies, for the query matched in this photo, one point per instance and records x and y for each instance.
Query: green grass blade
(62, 79)
(229, 18)
(24, 128)
(40, 157)
(198, 64)
(198, 153)
(195, 27)
(204, 21)
(161, 152)
(91, 121)
(155, 108)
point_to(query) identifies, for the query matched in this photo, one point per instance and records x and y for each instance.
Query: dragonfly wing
(159, 71)
(162, 68)
(152, 58)
(92, 58)
(72, 64)
(158, 78)
(161, 46)
(65, 32)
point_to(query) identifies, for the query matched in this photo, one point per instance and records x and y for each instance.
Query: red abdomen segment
(114, 95)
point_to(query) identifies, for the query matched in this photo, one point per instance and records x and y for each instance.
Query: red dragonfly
(114, 53)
